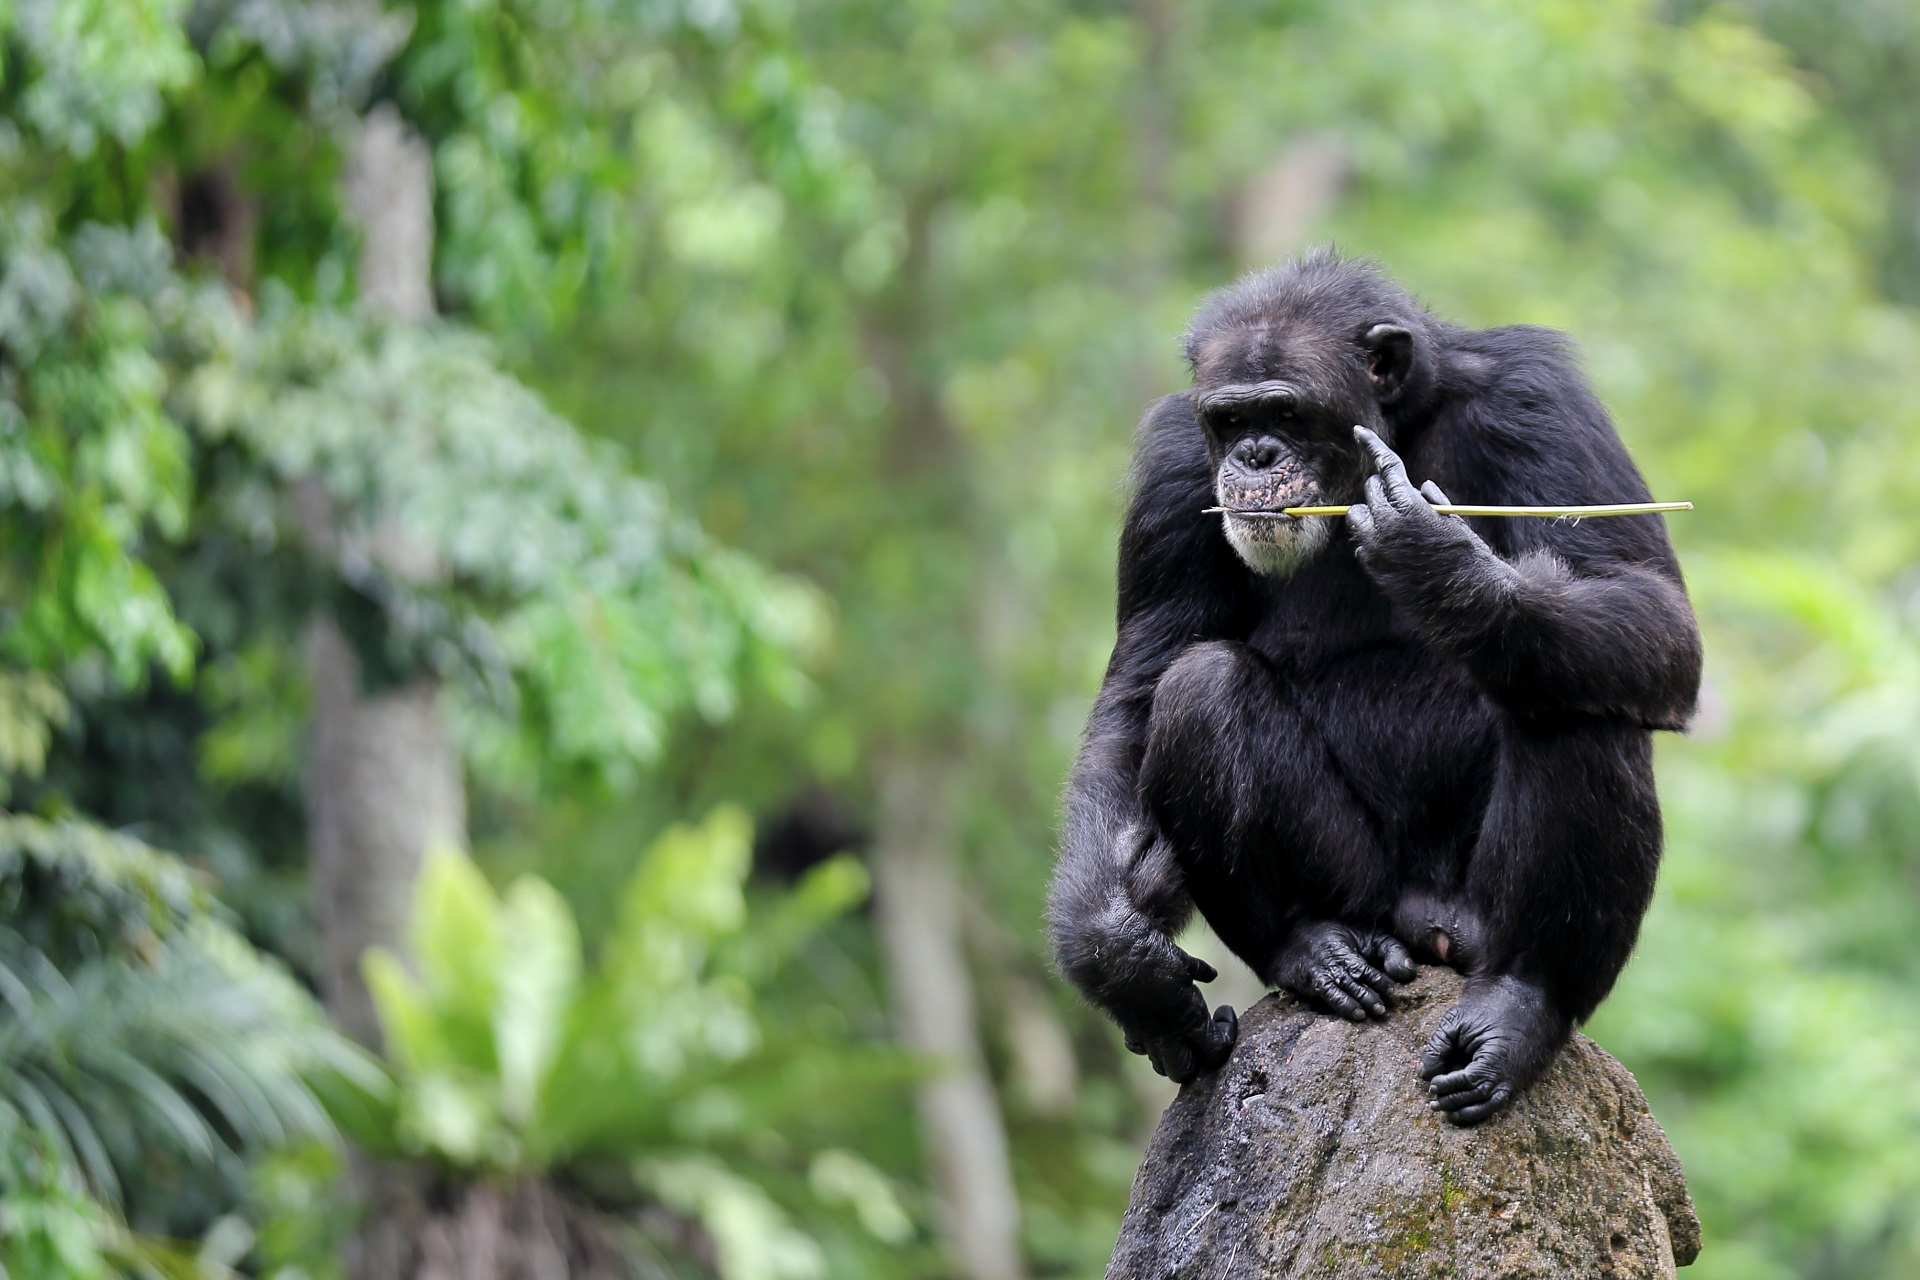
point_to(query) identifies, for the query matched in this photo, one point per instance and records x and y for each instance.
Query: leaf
(536, 991)
(455, 939)
(408, 1024)
(826, 892)
(841, 1177)
(690, 879)
(451, 1115)
(751, 1233)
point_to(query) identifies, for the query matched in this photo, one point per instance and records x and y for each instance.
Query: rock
(1313, 1152)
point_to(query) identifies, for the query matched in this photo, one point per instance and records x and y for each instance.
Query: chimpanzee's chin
(1276, 546)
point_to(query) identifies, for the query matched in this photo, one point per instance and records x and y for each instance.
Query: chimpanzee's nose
(1256, 455)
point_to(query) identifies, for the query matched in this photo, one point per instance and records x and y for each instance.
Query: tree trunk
(917, 900)
(383, 782)
(383, 786)
(916, 891)
(388, 187)
(524, 1230)
(1279, 209)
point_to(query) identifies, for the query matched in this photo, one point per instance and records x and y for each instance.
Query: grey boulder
(1313, 1152)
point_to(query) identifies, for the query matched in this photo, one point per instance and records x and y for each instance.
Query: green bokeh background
(856, 302)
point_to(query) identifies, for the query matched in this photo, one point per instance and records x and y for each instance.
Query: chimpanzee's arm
(1117, 894)
(1587, 619)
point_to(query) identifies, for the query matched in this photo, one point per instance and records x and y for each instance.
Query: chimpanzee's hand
(1491, 1045)
(1348, 970)
(1397, 533)
(1180, 1038)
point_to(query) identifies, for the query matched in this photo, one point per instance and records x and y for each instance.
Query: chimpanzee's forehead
(1290, 350)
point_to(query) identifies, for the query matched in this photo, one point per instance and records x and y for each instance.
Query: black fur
(1429, 734)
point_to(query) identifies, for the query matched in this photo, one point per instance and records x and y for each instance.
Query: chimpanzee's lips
(1269, 513)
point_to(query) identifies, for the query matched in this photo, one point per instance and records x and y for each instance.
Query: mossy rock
(1313, 1152)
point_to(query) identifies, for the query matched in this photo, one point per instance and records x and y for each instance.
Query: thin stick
(1457, 509)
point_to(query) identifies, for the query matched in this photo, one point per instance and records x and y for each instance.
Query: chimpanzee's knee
(1203, 700)
(1202, 740)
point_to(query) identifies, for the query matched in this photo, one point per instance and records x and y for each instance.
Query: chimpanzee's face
(1279, 408)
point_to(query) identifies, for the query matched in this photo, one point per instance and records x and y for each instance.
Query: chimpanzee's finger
(1393, 957)
(1360, 523)
(1350, 979)
(1337, 999)
(1443, 1048)
(1374, 980)
(1475, 1114)
(1432, 493)
(1174, 1061)
(1221, 1033)
(1200, 971)
(1463, 1097)
(1388, 464)
(1461, 1081)
(1376, 495)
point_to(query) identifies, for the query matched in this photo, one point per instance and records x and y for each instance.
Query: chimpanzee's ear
(1389, 358)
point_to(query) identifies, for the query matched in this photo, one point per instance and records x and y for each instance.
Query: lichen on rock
(1313, 1152)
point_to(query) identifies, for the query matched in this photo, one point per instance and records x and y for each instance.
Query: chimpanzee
(1356, 743)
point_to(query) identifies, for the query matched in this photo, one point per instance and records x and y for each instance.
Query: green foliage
(52, 1228)
(578, 612)
(163, 440)
(76, 892)
(90, 464)
(198, 1052)
(102, 67)
(512, 1055)
(31, 704)
(139, 1035)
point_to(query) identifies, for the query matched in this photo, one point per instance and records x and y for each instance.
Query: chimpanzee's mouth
(1269, 540)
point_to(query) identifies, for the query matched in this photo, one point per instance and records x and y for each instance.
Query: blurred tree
(1867, 61)
(371, 480)
(383, 781)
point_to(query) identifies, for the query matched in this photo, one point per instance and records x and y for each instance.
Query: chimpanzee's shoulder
(1517, 397)
(1171, 478)
(1169, 549)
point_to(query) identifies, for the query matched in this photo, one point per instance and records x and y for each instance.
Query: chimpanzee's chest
(1403, 725)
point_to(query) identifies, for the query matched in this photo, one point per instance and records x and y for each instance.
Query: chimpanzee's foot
(1490, 1046)
(1348, 970)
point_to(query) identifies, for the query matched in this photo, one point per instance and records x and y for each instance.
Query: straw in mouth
(1462, 509)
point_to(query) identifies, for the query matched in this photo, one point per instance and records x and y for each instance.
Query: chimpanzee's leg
(1560, 878)
(1274, 848)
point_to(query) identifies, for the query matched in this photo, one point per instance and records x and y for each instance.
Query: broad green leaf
(841, 1177)
(451, 1115)
(409, 1026)
(537, 985)
(754, 1237)
(455, 939)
